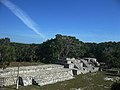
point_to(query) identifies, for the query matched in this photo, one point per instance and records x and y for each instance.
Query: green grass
(15, 64)
(89, 81)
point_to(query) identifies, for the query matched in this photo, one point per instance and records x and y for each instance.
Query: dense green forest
(59, 47)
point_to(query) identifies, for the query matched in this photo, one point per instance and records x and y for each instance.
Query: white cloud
(22, 16)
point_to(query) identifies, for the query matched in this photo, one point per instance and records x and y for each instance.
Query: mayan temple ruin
(64, 69)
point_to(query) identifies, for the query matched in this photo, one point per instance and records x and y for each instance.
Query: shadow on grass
(110, 74)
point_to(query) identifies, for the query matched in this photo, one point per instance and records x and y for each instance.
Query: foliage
(115, 86)
(59, 47)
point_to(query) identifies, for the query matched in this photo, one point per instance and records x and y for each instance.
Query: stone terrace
(40, 75)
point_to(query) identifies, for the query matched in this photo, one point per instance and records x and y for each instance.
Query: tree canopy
(59, 47)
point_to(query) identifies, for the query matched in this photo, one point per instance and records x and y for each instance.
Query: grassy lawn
(15, 64)
(89, 81)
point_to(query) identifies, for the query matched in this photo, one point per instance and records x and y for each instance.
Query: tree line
(59, 47)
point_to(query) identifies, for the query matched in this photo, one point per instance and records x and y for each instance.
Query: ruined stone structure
(80, 66)
(47, 74)
(39, 75)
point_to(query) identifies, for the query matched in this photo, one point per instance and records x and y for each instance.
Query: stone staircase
(87, 65)
(83, 69)
(77, 64)
(89, 68)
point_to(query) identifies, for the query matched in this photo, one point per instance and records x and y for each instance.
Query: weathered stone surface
(41, 75)
(47, 74)
(80, 66)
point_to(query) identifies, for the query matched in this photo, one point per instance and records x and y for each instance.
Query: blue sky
(87, 20)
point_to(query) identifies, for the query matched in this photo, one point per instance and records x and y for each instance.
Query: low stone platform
(39, 75)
